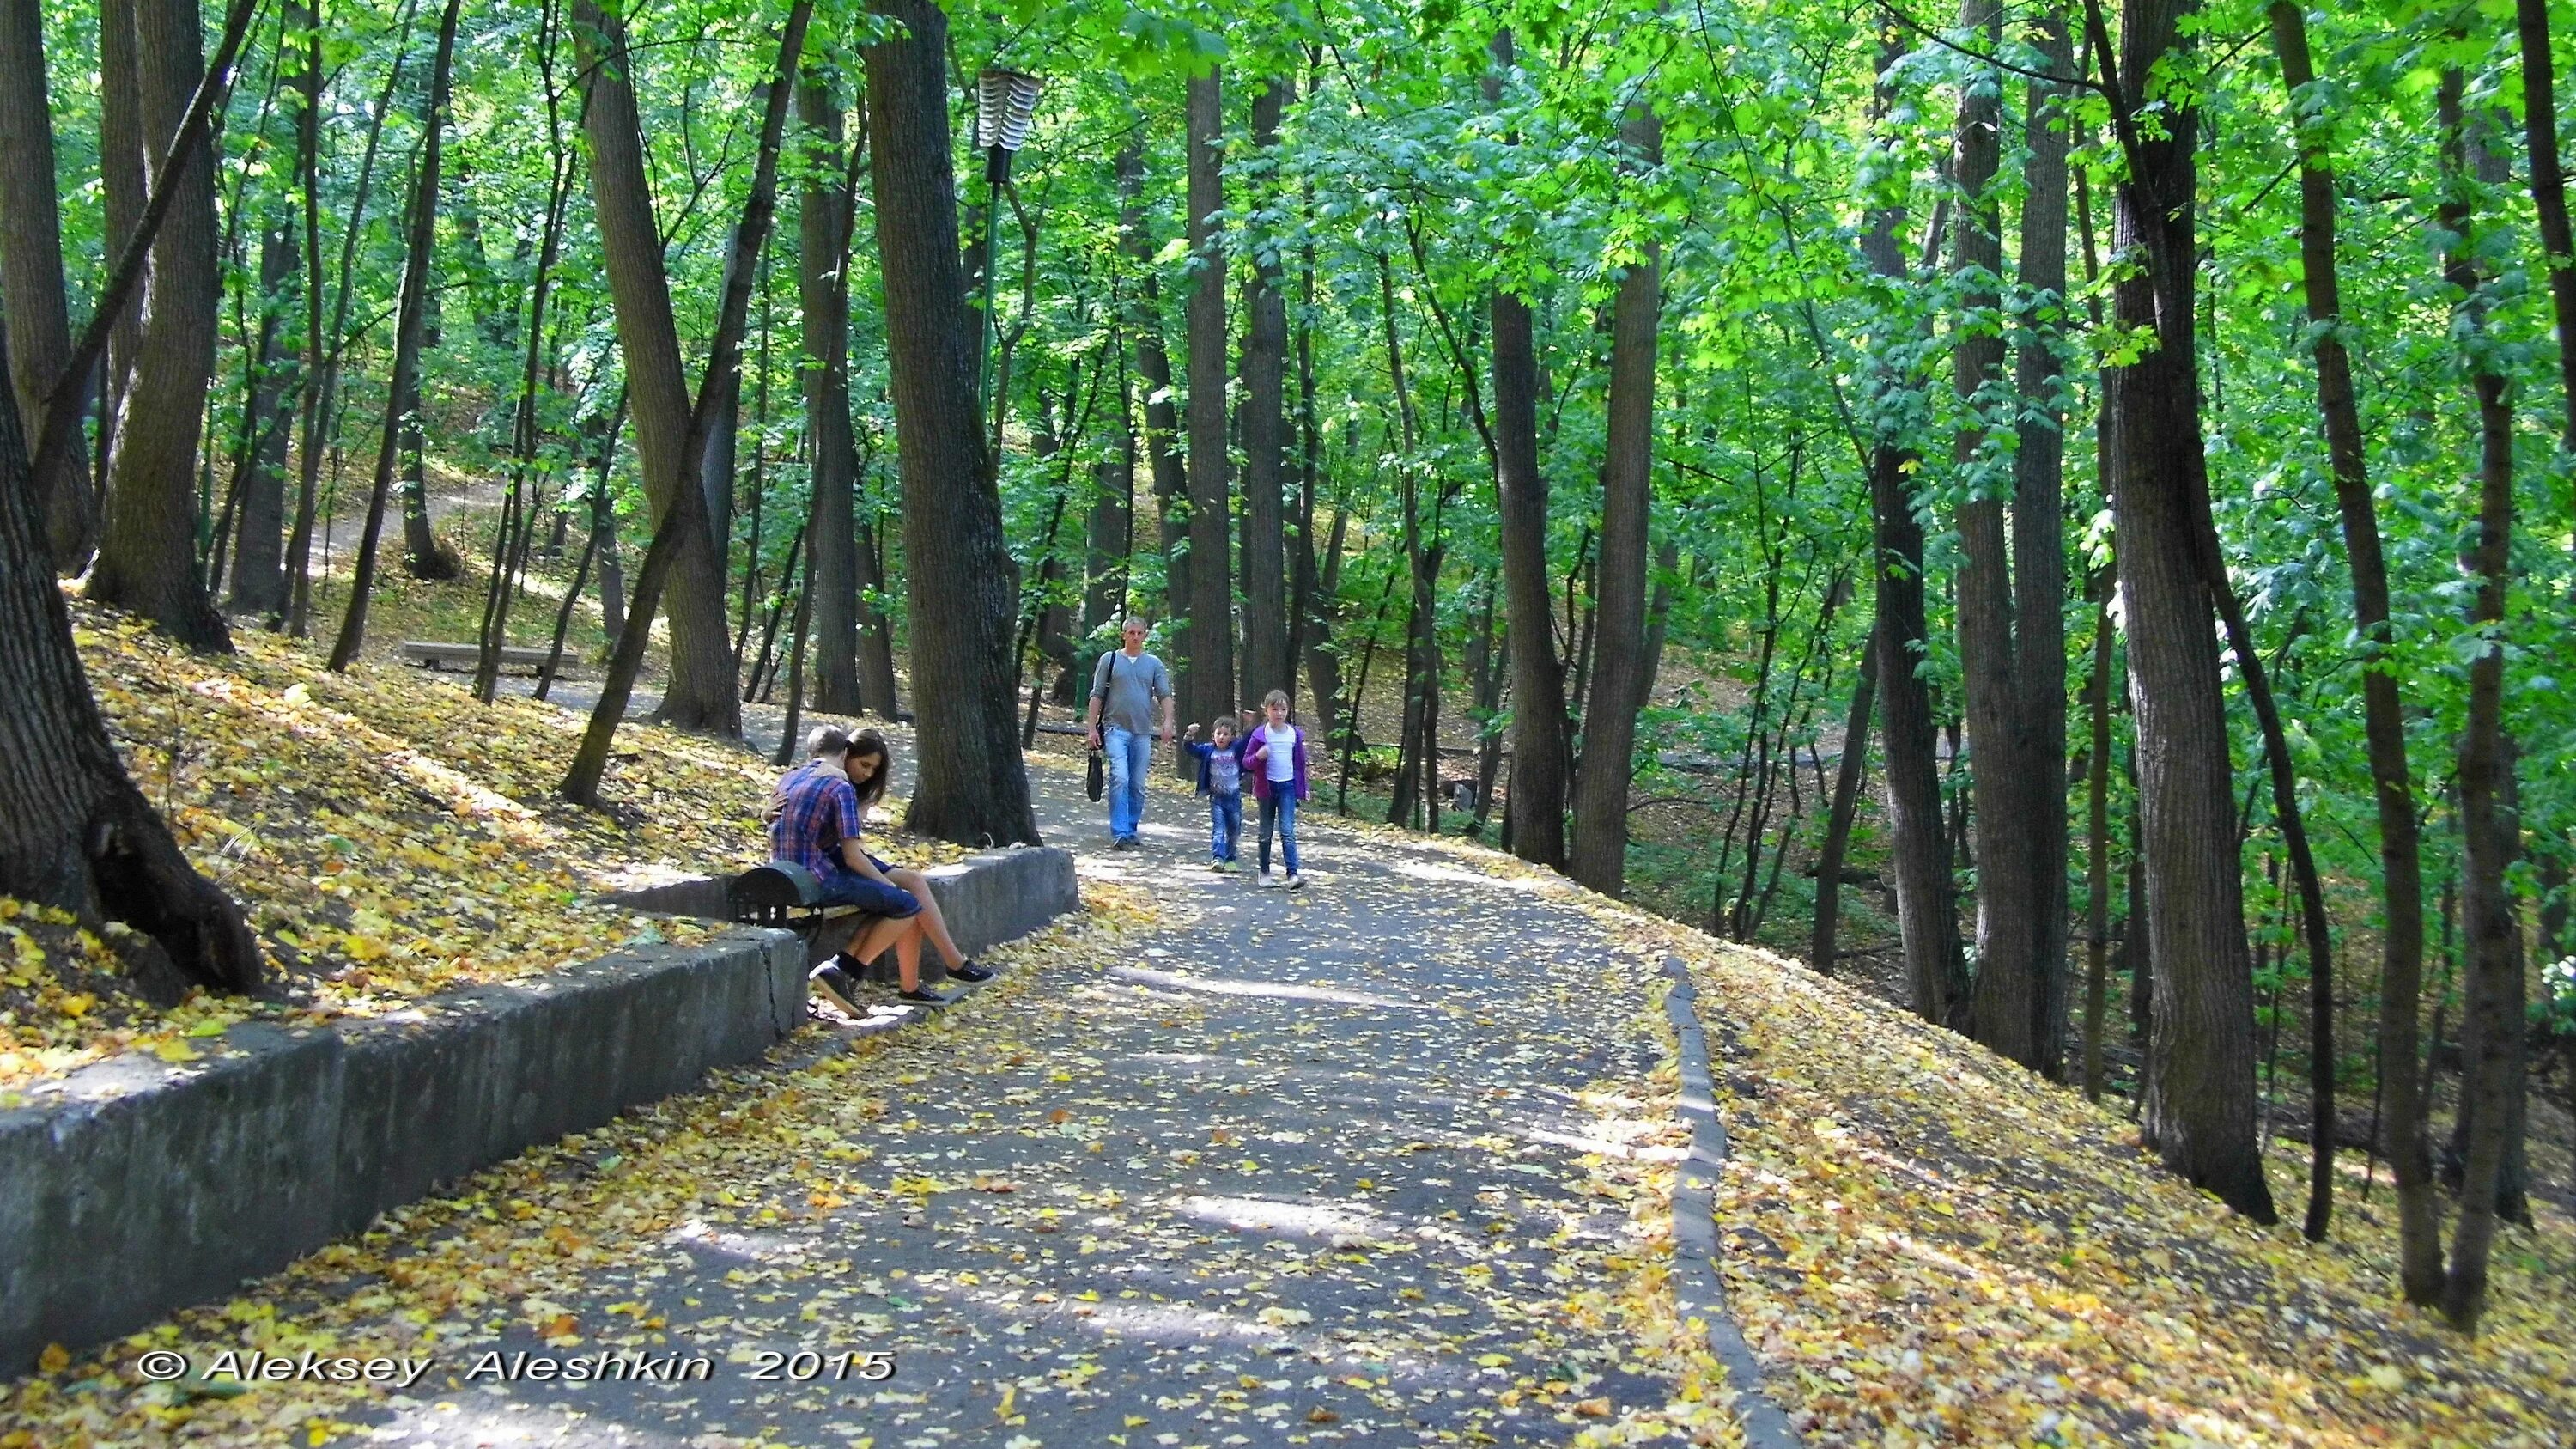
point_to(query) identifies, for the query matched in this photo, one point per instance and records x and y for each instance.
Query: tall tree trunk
(701, 692)
(74, 831)
(2492, 1016)
(823, 248)
(2009, 1002)
(2097, 840)
(1936, 974)
(1110, 531)
(124, 174)
(1206, 686)
(2549, 195)
(1404, 800)
(1485, 674)
(684, 526)
(961, 584)
(1659, 608)
(1144, 327)
(2199, 1110)
(1541, 755)
(403, 390)
(2039, 535)
(1267, 662)
(258, 569)
(147, 548)
(509, 555)
(1599, 857)
(31, 276)
(876, 629)
(320, 404)
(1318, 604)
(1838, 819)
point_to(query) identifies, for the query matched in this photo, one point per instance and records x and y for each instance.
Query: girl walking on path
(1277, 763)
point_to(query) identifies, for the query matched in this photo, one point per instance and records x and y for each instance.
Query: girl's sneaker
(1296, 882)
(1264, 879)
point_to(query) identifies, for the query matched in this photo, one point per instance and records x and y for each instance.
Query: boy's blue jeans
(1225, 824)
(1279, 808)
(1130, 754)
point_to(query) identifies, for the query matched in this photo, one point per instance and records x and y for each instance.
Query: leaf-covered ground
(1382, 1161)
(388, 837)
(1928, 1246)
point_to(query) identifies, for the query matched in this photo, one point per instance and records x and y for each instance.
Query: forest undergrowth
(1925, 1243)
(387, 837)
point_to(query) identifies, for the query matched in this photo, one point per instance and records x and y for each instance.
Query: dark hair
(869, 742)
(827, 740)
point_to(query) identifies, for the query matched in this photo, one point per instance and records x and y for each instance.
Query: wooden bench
(430, 654)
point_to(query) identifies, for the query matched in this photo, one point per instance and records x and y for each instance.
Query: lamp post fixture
(1004, 102)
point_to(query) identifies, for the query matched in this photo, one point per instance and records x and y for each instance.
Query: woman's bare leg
(907, 954)
(933, 924)
(872, 938)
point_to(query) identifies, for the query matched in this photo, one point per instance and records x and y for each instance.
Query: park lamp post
(1004, 102)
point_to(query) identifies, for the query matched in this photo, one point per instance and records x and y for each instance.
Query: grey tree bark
(823, 248)
(701, 693)
(1144, 327)
(1267, 664)
(2200, 1106)
(74, 831)
(2039, 535)
(258, 583)
(962, 586)
(147, 548)
(1207, 685)
(402, 398)
(2007, 1005)
(1936, 973)
(31, 276)
(1848, 771)
(2492, 1016)
(1599, 855)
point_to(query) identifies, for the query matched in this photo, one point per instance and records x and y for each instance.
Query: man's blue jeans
(1129, 754)
(1225, 824)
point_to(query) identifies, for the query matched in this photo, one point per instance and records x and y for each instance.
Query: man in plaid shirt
(815, 822)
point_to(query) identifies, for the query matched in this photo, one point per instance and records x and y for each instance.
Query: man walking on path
(1124, 689)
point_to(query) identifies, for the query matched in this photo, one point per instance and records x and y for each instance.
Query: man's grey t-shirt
(1128, 689)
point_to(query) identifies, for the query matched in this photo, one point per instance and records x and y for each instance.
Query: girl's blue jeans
(1279, 808)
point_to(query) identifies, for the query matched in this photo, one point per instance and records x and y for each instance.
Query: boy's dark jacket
(1205, 750)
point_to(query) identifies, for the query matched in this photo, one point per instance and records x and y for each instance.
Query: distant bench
(429, 654)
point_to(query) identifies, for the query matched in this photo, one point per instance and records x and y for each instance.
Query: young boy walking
(1221, 781)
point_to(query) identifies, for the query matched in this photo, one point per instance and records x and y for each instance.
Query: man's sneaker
(922, 996)
(1123, 842)
(1296, 882)
(835, 985)
(1264, 879)
(970, 972)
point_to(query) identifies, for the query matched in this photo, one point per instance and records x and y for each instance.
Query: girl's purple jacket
(1259, 769)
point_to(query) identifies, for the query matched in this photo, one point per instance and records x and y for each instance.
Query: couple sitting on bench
(815, 819)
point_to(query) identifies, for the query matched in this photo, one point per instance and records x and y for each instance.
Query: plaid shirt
(818, 809)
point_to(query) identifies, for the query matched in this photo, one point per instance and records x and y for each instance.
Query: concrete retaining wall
(135, 1186)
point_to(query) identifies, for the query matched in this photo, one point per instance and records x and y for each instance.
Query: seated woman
(870, 766)
(814, 820)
